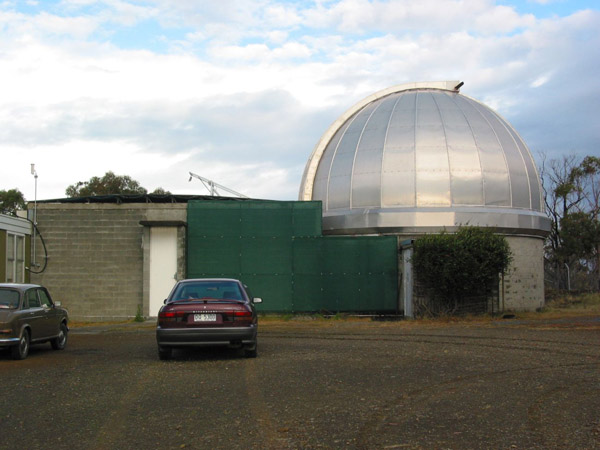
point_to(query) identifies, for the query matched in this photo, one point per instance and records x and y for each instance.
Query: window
(213, 290)
(46, 302)
(9, 299)
(31, 299)
(15, 258)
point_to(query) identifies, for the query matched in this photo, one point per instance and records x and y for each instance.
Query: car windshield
(9, 299)
(214, 290)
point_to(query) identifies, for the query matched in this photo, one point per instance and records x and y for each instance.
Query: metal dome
(421, 157)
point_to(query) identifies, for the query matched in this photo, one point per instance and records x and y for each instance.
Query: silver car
(28, 315)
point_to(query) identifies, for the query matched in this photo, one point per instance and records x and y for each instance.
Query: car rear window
(9, 299)
(225, 290)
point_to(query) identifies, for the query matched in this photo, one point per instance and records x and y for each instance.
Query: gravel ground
(315, 384)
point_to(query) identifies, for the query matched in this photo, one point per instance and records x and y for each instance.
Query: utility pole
(35, 176)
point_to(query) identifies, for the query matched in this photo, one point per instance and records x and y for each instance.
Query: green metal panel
(213, 255)
(345, 274)
(275, 290)
(341, 292)
(344, 255)
(307, 255)
(211, 218)
(382, 291)
(255, 218)
(307, 293)
(308, 218)
(266, 219)
(266, 255)
(382, 253)
(274, 248)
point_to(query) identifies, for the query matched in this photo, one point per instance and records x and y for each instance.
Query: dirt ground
(504, 384)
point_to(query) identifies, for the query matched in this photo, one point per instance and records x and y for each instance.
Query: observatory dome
(422, 157)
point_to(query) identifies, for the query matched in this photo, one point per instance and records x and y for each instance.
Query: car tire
(165, 353)
(251, 351)
(60, 341)
(21, 350)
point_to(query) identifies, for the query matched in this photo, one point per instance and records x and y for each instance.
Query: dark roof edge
(163, 223)
(143, 198)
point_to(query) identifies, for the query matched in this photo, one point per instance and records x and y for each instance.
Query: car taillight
(241, 316)
(171, 315)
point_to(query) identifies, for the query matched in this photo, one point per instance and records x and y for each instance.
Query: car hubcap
(23, 345)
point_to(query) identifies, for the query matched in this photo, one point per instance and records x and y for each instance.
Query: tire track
(270, 438)
(498, 342)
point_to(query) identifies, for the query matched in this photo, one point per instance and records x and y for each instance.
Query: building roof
(15, 224)
(141, 198)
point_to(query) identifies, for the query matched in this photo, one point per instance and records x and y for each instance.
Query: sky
(240, 92)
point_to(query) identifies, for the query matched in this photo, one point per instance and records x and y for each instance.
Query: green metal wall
(277, 249)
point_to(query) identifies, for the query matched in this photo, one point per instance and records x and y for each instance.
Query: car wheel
(165, 353)
(21, 350)
(251, 351)
(60, 341)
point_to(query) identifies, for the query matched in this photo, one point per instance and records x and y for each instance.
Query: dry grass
(79, 324)
(568, 305)
(558, 305)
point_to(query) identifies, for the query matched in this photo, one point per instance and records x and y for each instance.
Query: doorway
(163, 265)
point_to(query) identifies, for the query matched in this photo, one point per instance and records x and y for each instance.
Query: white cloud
(281, 16)
(244, 89)
(402, 16)
(540, 81)
(261, 53)
(60, 165)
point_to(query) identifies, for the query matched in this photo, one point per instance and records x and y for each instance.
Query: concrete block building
(108, 256)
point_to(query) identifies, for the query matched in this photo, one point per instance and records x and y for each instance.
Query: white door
(163, 265)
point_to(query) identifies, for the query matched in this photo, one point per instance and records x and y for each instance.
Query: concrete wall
(524, 283)
(523, 287)
(96, 255)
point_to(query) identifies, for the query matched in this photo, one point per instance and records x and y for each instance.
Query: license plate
(205, 317)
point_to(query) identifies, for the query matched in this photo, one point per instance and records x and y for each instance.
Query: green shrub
(454, 267)
(139, 317)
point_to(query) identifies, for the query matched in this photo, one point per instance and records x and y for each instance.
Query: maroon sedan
(208, 312)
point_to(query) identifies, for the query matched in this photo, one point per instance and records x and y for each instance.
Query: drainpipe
(35, 176)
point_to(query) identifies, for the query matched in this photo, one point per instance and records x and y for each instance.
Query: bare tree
(571, 188)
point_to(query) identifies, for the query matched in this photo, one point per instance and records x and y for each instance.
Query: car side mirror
(165, 301)
(57, 304)
(257, 300)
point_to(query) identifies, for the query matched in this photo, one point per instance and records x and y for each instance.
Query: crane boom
(212, 186)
